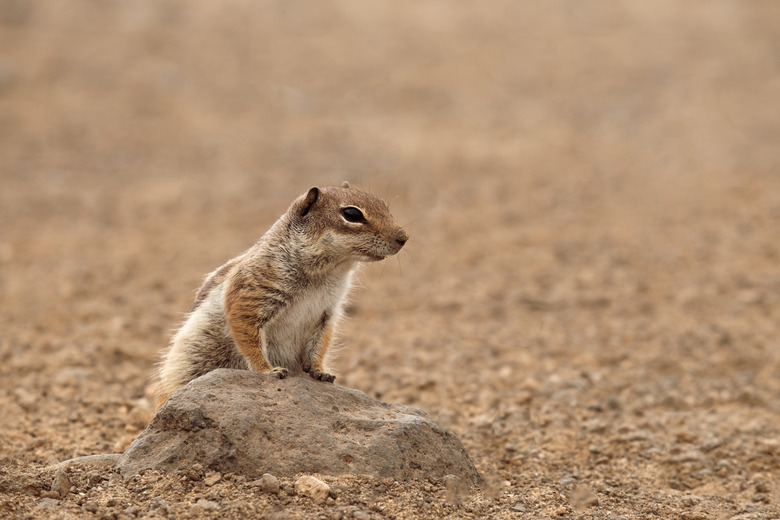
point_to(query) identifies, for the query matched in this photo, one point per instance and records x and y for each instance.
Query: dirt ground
(590, 297)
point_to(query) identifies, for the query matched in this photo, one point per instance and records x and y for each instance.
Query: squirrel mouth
(372, 257)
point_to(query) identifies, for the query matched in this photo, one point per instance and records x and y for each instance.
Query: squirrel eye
(352, 214)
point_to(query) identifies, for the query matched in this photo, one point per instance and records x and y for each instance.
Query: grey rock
(247, 423)
(268, 484)
(48, 503)
(61, 483)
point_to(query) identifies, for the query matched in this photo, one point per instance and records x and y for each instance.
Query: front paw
(322, 376)
(279, 372)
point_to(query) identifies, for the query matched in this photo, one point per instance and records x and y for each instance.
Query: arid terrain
(590, 298)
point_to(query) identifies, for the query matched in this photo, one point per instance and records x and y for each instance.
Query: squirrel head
(347, 223)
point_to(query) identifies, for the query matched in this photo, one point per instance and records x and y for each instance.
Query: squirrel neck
(306, 257)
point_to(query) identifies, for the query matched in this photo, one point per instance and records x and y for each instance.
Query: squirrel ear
(345, 184)
(311, 197)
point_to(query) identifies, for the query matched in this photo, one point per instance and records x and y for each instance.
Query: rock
(47, 503)
(161, 506)
(268, 484)
(61, 483)
(567, 479)
(247, 423)
(195, 472)
(204, 505)
(313, 488)
(212, 478)
(90, 507)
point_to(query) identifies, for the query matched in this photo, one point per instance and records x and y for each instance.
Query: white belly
(286, 337)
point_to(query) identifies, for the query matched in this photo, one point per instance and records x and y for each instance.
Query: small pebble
(195, 473)
(313, 488)
(48, 503)
(204, 505)
(161, 505)
(269, 484)
(212, 478)
(61, 483)
(566, 480)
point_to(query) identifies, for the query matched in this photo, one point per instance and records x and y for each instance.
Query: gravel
(591, 285)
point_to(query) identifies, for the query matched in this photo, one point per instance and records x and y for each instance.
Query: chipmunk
(274, 308)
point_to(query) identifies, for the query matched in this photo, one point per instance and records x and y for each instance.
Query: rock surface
(248, 423)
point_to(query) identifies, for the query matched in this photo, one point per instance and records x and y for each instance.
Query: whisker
(400, 269)
(411, 257)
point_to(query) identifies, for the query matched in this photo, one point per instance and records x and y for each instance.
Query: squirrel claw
(322, 376)
(279, 372)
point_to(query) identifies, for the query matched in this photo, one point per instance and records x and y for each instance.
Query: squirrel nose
(402, 237)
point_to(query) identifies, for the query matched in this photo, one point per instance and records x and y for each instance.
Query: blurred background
(592, 191)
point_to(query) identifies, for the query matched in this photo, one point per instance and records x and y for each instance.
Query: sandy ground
(590, 298)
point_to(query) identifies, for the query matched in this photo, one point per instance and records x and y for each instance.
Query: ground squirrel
(274, 308)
